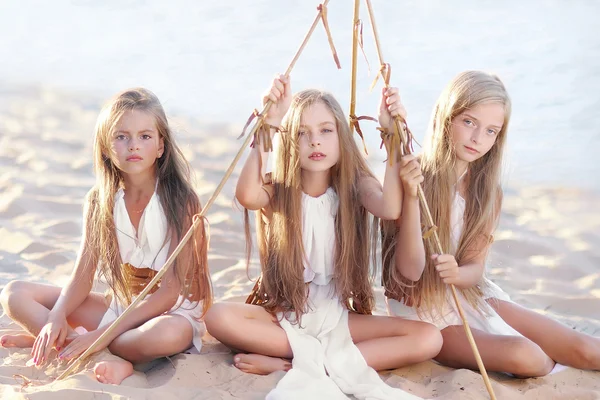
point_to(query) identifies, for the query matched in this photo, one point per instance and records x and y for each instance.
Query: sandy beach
(546, 256)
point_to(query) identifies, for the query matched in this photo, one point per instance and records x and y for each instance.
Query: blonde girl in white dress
(142, 204)
(460, 166)
(314, 233)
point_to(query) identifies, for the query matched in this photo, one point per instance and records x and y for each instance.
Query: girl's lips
(471, 150)
(134, 158)
(316, 156)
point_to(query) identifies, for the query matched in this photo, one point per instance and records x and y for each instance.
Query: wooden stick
(353, 70)
(400, 129)
(187, 236)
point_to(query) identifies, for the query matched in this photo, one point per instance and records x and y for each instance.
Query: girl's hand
(447, 267)
(81, 343)
(390, 107)
(410, 174)
(53, 334)
(280, 93)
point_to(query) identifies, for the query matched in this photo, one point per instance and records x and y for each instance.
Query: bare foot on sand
(259, 364)
(113, 372)
(20, 340)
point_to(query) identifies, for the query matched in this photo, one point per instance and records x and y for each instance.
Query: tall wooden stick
(355, 20)
(400, 129)
(189, 233)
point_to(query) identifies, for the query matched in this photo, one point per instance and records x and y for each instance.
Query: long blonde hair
(177, 197)
(483, 193)
(280, 243)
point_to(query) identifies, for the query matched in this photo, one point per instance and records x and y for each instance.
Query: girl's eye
(468, 122)
(120, 137)
(301, 133)
(146, 137)
(491, 132)
(326, 130)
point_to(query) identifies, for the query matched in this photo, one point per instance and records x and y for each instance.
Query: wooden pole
(355, 21)
(400, 129)
(189, 233)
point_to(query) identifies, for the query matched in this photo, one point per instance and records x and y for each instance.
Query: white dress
(491, 323)
(326, 363)
(149, 248)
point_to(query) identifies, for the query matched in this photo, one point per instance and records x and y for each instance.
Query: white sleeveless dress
(149, 248)
(491, 323)
(326, 363)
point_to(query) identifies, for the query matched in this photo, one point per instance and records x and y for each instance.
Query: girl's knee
(219, 316)
(527, 359)
(427, 339)
(10, 295)
(175, 332)
(157, 338)
(177, 340)
(431, 338)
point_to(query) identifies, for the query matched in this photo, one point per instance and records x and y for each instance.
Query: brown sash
(254, 297)
(138, 278)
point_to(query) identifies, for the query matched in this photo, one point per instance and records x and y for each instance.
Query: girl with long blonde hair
(142, 204)
(461, 165)
(314, 234)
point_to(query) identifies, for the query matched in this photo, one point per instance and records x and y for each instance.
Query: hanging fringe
(323, 11)
(385, 71)
(358, 33)
(354, 122)
(393, 142)
(262, 133)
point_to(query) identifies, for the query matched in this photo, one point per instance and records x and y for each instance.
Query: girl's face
(136, 143)
(475, 130)
(318, 139)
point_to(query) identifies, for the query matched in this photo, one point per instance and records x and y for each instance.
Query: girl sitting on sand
(142, 204)
(461, 164)
(314, 240)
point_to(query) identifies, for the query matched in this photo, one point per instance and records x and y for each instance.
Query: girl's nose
(314, 141)
(133, 145)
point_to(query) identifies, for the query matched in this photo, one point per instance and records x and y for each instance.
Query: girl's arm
(250, 190)
(56, 329)
(80, 283)
(471, 271)
(463, 276)
(385, 202)
(410, 251)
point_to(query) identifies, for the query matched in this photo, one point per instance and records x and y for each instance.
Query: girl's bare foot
(259, 364)
(19, 340)
(113, 372)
